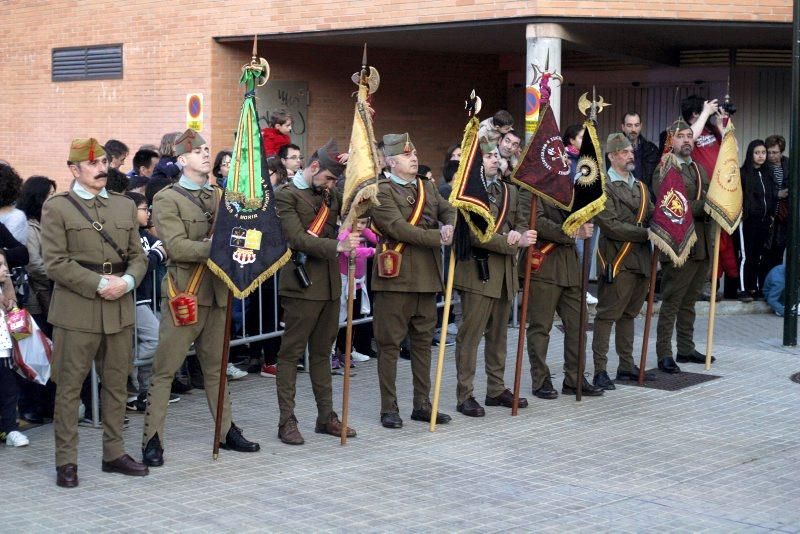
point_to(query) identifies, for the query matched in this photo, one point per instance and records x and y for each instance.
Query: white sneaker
(16, 439)
(234, 373)
(452, 329)
(590, 299)
(358, 357)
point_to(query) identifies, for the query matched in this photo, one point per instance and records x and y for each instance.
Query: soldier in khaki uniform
(486, 303)
(310, 287)
(681, 286)
(405, 293)
(91, 250)
(184, 215)
(555, 287)
(623, 259)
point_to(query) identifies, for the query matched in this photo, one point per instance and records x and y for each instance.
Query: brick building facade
(430, 54)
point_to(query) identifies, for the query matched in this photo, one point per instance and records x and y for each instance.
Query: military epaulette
(281, 187)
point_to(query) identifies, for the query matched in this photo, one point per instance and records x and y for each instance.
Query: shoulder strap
(194, 200)
(99, 227)
(414, 218)
(502, 209)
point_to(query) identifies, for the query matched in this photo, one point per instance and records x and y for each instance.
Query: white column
(541, 40)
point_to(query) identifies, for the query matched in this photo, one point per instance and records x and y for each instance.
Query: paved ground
(720, 456)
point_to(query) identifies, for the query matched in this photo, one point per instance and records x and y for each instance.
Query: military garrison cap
(85, 150)
(678, 126)
(396, 144)
(188, 141)
(328, 157)
(617, 141)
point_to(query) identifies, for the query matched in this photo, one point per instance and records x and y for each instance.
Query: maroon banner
(672, 224)
(544, 167)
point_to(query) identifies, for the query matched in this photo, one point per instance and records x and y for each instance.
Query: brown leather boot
(333, 427)
(67, 475)
(289, 433)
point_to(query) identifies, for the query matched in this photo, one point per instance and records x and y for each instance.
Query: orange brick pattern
(169, 51)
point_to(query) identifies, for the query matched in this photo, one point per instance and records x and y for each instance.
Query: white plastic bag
(33, 355)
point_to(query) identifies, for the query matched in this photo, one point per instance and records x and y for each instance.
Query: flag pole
(648, 318)
(448, 295)
(526, 293)
(348, 347)
(712, 310)
(223, 376)
(584, 317)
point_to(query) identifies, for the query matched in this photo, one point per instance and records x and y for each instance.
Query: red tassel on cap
(91, 150)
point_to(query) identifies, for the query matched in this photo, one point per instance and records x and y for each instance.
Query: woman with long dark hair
(221, 165)
(757, 221)
(36, 401)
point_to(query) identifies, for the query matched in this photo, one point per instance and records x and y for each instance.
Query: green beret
(328, 157)
(617, 141)
(678, 126)
(395, 144)
(188, 141)
(85, 150)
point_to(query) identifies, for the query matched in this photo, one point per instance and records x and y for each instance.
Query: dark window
(87, 63)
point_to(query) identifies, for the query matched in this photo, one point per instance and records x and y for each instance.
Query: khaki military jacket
(68, 240)
(703, 224)
(297, 209)
(618, 226)
(421, 268)
(183, 228)
(561, 267)
(502, 256)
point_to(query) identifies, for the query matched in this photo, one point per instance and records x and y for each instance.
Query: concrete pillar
(541, 39)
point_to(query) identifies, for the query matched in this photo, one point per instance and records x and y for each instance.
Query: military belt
(105, 267)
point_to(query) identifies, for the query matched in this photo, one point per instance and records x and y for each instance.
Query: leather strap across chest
(97, 225)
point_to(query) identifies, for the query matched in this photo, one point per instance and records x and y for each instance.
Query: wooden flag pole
(712, 310)
(526, 292)
(448, 296)
(584, 317)
(223, 376)
(348, 347)
(648, 318)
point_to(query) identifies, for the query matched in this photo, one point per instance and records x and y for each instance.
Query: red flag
(672, 224)
(544, 167)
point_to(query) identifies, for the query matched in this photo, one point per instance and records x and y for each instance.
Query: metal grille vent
(87, 63)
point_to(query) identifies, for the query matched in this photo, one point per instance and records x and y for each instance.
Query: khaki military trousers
(482, 317)
(314, 323)
(207, 334)
(618, 304)
(397, 315)
(73, 356)
(546, 300)
(681, 288)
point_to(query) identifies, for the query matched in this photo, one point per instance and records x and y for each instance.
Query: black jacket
(647, 158)
(760, 194)
(16, 252)
(144, 293)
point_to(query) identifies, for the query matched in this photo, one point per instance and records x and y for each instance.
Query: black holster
(299, 260)
(481, 258)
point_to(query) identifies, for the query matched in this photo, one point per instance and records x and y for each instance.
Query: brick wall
(169, 51)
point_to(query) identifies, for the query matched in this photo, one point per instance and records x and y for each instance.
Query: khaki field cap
(188, 141)
(85, 150)
(396, 144)
(617, 141)
(678, 126)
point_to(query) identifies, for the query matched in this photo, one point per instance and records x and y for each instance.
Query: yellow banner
(724, 197)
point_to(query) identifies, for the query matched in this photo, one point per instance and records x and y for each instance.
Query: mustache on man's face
(101, 175)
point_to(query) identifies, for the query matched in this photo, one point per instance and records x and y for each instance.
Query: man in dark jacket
(645, 153)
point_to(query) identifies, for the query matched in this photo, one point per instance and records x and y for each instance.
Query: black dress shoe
(633, 374)
(547, 391)
(180, 387)
(668, 365)
(125, 465)
(506, 398)
(67, 476)
(391, 420)
(153, 454)
(586, 389)
(235, 441)
(603, 381)
(425, 413)
(694, 357)
(471, 408)
(33, 417)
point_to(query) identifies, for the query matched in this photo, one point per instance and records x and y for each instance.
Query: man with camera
(310, 287)
(624, 259)
(488, 283)
(414, 221)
